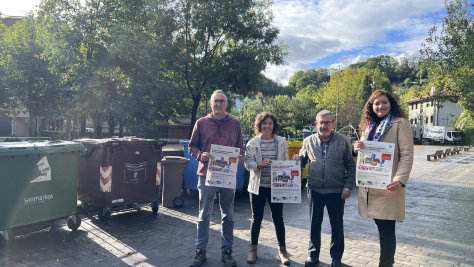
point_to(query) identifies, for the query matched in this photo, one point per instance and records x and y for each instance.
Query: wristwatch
(347, 189)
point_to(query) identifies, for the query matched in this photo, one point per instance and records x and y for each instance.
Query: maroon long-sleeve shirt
(207, 131)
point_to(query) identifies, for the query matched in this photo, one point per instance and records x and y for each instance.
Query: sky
(333, 33)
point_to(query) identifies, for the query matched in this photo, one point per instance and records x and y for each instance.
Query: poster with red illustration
(222, 168)
(374, 164)
(286, 181)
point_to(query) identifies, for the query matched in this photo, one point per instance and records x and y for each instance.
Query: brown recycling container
(173, 173)
(119, 173)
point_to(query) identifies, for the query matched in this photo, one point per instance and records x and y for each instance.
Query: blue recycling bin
(190, 176)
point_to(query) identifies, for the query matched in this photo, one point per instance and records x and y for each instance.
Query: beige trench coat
(379, 203)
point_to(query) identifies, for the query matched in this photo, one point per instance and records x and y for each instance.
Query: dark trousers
(335, 207)
(388, 242)
(257, 203)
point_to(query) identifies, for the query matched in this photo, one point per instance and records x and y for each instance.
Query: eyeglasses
(325, 122)
(219, 101)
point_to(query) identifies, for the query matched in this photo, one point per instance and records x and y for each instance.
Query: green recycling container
(38, 183)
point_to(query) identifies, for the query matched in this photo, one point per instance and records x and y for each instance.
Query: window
(416, 121)
(412, 106)
(411, 121)
(426, 119)
(431, 119)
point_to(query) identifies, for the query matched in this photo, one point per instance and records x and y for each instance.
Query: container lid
(119, 140)
(175, 159)
(184, 142)
(26, 147)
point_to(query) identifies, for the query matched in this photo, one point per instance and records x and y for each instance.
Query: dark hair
(257, 126)
(368, 114)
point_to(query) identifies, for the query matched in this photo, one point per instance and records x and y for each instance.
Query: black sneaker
(199, 258)
(336, 263)
(227, 258)
(311, 262)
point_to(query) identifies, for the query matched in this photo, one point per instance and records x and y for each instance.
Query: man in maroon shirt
(218, 128)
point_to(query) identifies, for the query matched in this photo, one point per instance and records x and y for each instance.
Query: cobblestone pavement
(438, 231)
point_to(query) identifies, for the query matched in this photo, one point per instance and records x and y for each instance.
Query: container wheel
(73, 222)
(104, 214)
(83, 209)
(154, 207)
(178, 202)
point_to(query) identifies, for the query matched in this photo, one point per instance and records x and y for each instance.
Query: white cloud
(313, 30)
(17, 7)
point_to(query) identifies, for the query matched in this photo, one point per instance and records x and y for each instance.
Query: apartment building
(427, 112)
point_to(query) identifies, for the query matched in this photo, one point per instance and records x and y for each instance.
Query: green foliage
(26, 73)
(313, 78)
(449, 53)
(246, 116)
(465, 120)
(294, 113)
(224, 44)
(271, 88)
(347, 92)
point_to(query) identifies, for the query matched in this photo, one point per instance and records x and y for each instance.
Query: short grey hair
(218, 91)
(323, 113)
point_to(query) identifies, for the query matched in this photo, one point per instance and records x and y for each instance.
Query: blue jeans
(335, 206)
(206, 203)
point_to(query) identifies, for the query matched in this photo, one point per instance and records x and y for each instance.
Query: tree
(223, 44)
(449, 53)
(347, 91)
(314, 78)
(4, 96)
(27, 73)
(270, 88)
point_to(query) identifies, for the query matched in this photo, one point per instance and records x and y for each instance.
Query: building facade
(427, 112)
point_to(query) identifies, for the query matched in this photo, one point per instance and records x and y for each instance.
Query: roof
(452, 98)
(10, 20)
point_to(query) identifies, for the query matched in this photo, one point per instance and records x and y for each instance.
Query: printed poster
(374, 164)
(286, 181)
(222, 167)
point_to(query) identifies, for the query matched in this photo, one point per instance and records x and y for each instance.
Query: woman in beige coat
(383, 121)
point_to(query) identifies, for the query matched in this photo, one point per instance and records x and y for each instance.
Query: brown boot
(283, 255)
(252, 257)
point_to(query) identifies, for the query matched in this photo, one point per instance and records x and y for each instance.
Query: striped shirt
(269, 151)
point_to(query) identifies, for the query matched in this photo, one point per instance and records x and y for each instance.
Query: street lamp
(346, 58)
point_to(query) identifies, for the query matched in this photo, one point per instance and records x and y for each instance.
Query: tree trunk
(68, 134)
(83, 120)
(98, 130)
(120, 129)
(111, 125)
(196, 101)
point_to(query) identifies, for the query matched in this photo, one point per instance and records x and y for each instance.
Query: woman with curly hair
(260, 152)
(383, 120)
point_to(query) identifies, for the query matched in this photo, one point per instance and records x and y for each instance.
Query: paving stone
(438, 230)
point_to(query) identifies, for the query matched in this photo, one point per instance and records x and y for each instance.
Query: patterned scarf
(375, 132)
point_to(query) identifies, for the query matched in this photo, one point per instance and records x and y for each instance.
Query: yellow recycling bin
(294, 148)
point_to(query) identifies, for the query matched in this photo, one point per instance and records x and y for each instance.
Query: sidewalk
(438, 231)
